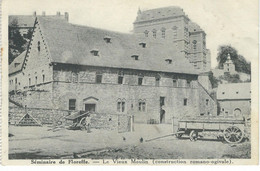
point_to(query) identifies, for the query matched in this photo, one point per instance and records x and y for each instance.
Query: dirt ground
(43, 142)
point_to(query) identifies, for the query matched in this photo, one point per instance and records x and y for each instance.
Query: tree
(213, 80)
(235, 78)
(17, 43)
(240, 62)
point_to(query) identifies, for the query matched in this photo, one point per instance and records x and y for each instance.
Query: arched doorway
(90, 104)
(237, 112)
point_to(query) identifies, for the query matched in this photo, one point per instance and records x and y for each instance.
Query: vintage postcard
(125, 82)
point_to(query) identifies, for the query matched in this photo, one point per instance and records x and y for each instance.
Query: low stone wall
(119, 122)
(43, 116)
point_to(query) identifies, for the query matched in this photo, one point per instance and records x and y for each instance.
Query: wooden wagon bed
(232, 130)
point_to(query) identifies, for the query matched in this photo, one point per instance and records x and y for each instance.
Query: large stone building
(72, 67)
(173, 27)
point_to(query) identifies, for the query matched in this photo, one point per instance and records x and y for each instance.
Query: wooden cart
(79, 120)
(231, 130)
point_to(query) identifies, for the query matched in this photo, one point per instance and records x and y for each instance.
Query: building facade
(234, 99)
(72, 67)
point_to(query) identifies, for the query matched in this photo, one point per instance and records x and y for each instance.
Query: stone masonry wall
(51, 116)
(42, 115)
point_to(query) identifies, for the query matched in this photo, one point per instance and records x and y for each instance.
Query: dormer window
(135, 57)
(142, 44)
(39, 46)
(107, 39)
(169, 61)
(94, 52)
(16, 64)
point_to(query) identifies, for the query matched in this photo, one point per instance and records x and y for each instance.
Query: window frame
(188, 83)
(120, 79)
(140, 82)
(99, 78)
(207, 102)
(72, 104)
(176, 82)
(142, 105)
(185, 102)
(157, 81)
(121, 106)
(154, 33)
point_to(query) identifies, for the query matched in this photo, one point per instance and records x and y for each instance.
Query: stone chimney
(66, 16)
(58, 13)
(43, 13)
(34, 13)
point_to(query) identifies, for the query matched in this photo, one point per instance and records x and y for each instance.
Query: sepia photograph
(130, 82)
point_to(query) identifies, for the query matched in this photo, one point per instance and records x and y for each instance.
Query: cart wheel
(193, 135)
(82, 124)
(233, 134)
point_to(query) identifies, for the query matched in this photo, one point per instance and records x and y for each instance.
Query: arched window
(142, 105)
(194, 43)
(154, 33)
(237, 112)
(175, 32)
(163, 32)
(121, 105)
(146, 32)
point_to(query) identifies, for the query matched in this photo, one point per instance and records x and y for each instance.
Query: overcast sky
(233, 22)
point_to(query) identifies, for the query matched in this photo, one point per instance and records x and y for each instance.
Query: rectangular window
(43, 78)
(162, 101)
(185, 102)
(188, 83)
(140, 80)
(154, 34)
(118, 106)
(123, 106)
(72, 104)
(174, 83)
(142, 106)
(207, 102)
(120, 79)
(157, 82)
(99, 78)
(163, 34)
(35, 80)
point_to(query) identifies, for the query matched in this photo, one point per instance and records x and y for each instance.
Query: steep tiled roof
(159, 13)
(23, 20)
(72, 44)
(234, 91)
(17, 63)
(194, 27)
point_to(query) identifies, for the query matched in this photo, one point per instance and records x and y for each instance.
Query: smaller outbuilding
(234, 99)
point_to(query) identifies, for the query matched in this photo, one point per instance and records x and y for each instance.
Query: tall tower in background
(172, 27)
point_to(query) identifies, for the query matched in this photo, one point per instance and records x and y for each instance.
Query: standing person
(88, 122)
